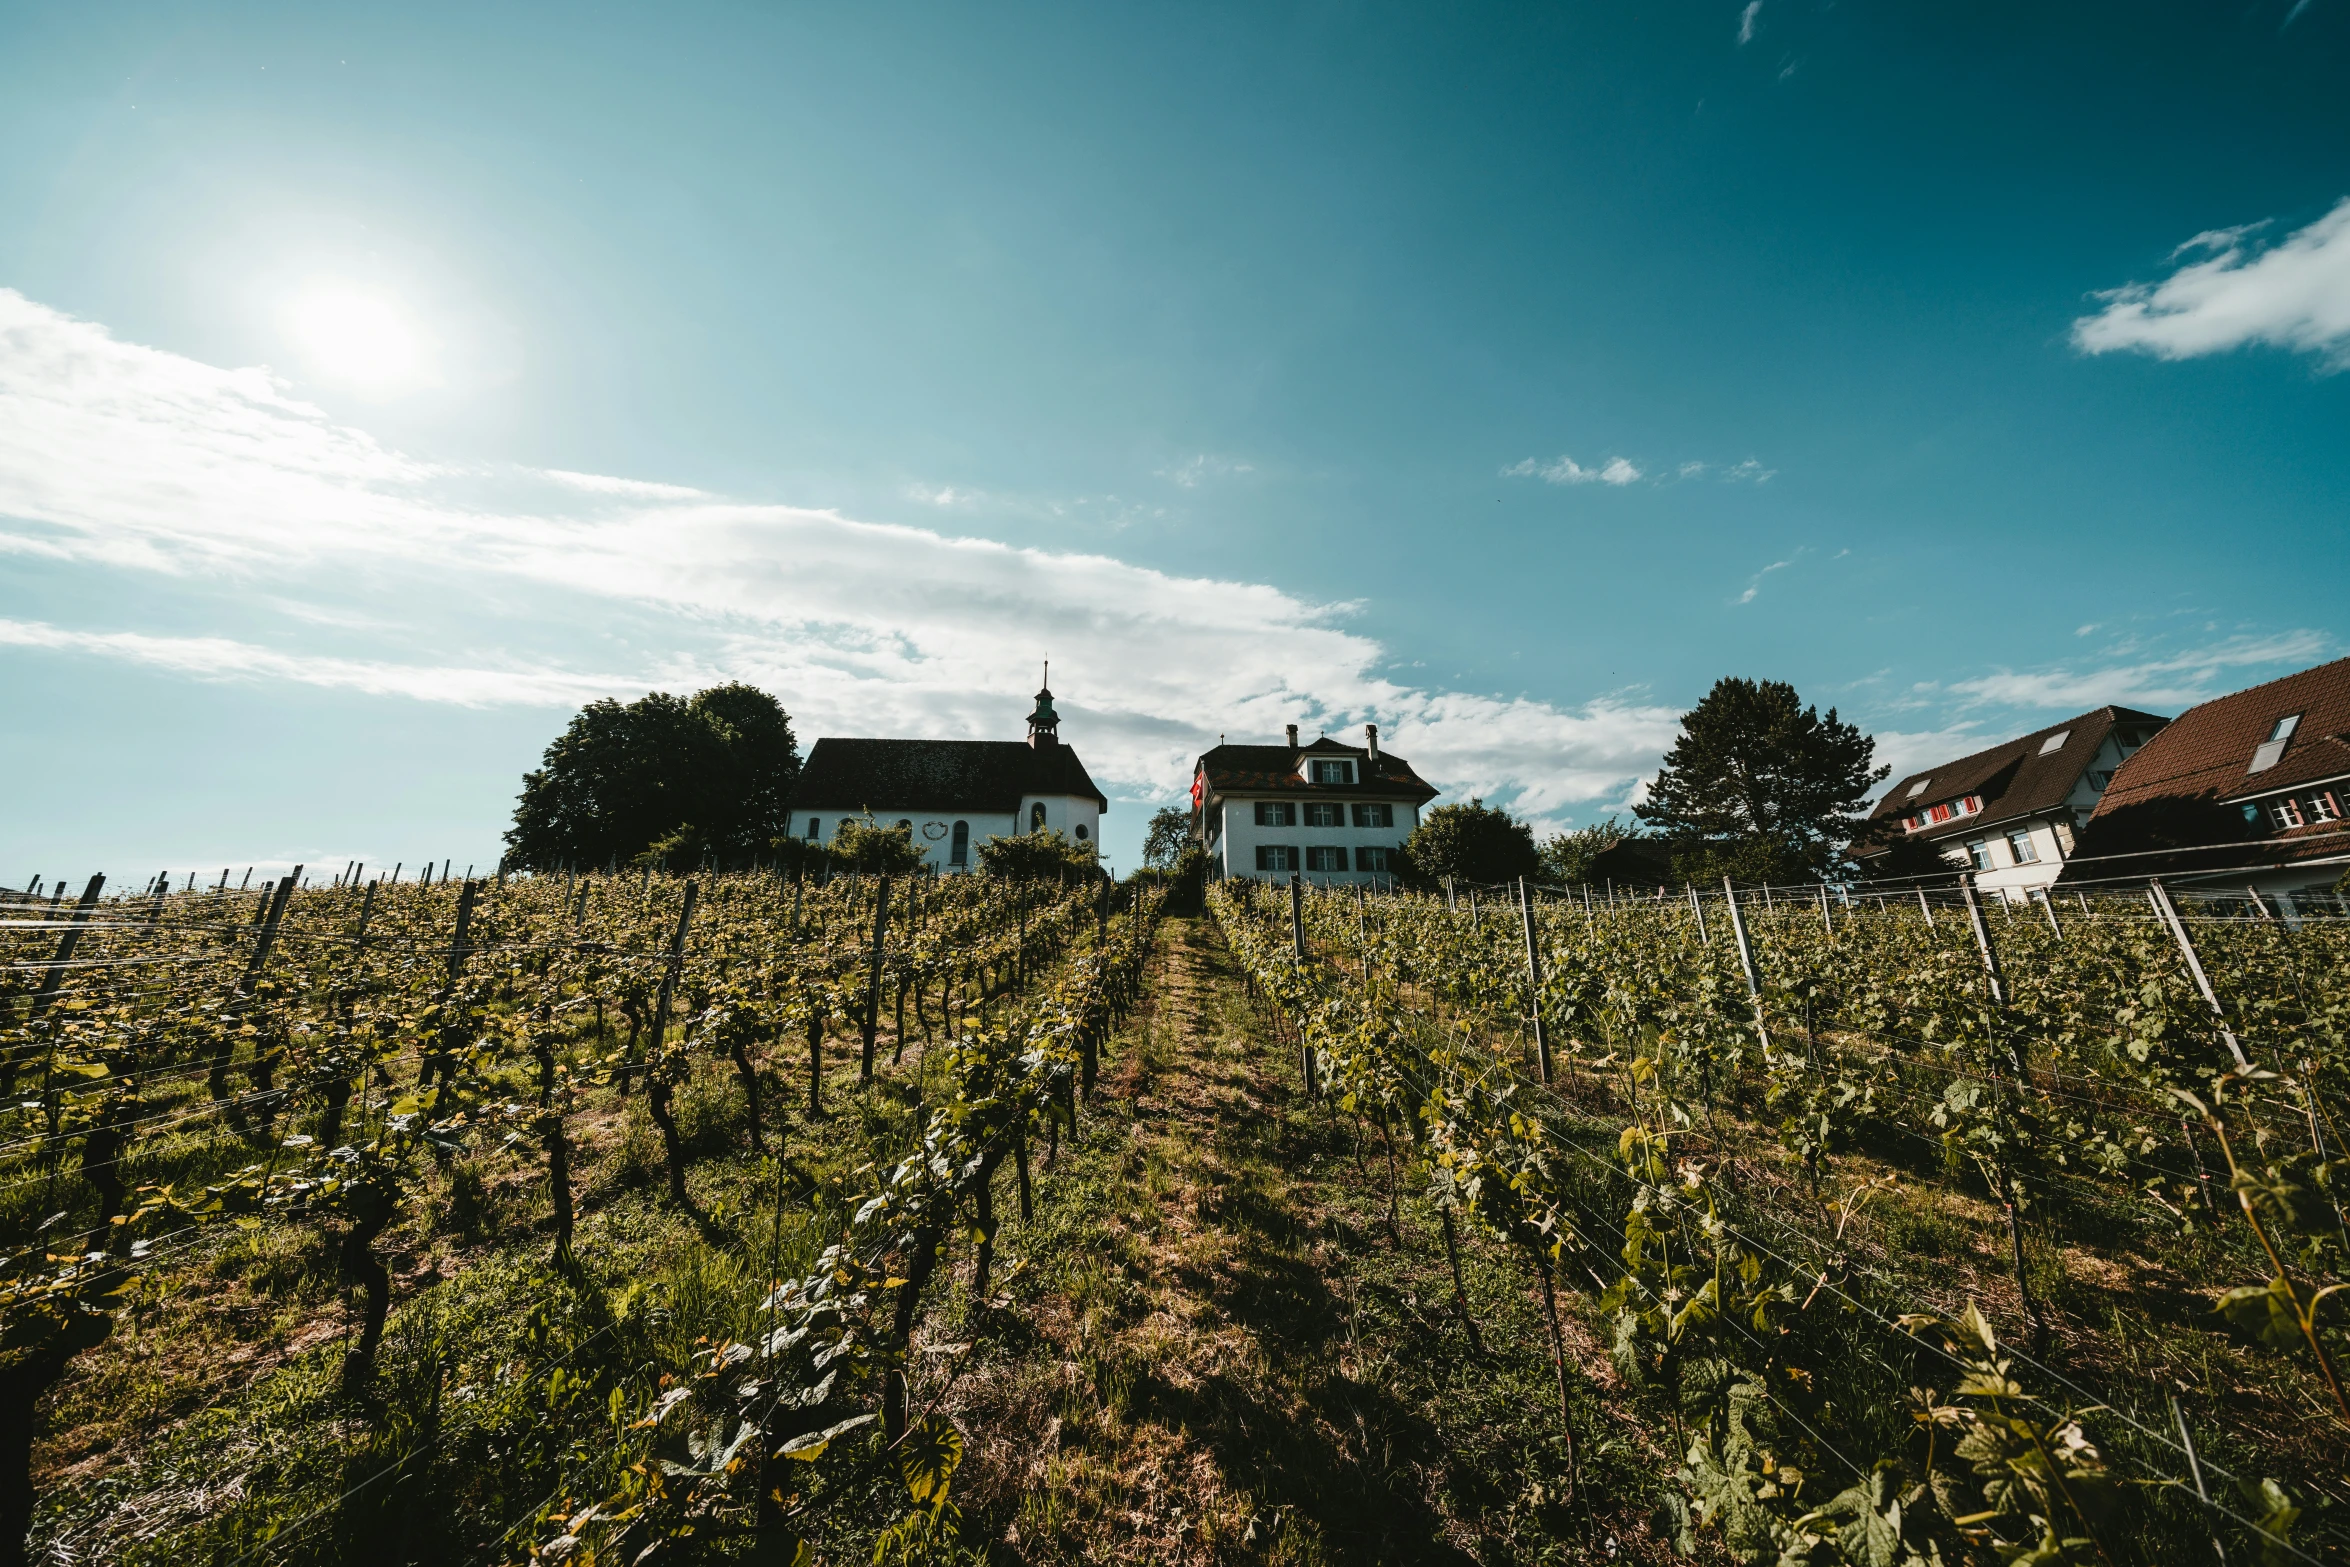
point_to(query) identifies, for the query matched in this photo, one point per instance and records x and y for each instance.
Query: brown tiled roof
(981, 776)
(2013, 777)
(1260, 768)
(2208, 751)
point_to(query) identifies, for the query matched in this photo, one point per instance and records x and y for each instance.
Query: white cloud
(1190, 473)
(1754, 583)
(1565, 470)
(2159, 682)
(635, 489)
(219, 658)
(1746, 21)
(2294, 294)
(114, 455)
(1622, 471)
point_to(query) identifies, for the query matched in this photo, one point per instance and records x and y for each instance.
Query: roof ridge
(2264, 685)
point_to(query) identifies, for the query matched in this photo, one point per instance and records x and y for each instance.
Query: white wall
(1236, 852)
(1061, 812)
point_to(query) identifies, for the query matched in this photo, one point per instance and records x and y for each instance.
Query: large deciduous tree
(705, 777)
(1472, 842)
(1170, 832)
(1760, 787)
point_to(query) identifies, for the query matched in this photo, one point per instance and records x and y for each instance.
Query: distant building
(953, 794)
(2012, 814)
(2250, 789)
(1331, 812)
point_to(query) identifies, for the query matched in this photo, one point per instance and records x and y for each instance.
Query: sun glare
(356, 337)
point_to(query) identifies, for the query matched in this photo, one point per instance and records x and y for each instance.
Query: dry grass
(1214, 1352)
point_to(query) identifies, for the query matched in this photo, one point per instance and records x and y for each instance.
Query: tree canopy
(710, 776)
(1170, 830)
(1473, 842)
(1759, 787)
(1567, 856)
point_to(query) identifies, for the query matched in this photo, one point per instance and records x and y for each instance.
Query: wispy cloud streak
(2294, 294)
(122, 457)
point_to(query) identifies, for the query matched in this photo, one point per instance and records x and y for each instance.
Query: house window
(1374, 859)
(960, 853)
(1276, 813)
(1978, 854)
(1374, 816)
(1917, 788)
(815, 827)
(2323, 807)
(1334, 772)
(2019, 845)
(1325, 816)
(1276, 857)
(1325, 857)
(2098, 781)
(2285, 814)
(905, 826)
(2055, 742)
(2285, 727)
(1082, 832)
(1036, 817)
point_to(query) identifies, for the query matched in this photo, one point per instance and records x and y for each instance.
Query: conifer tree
(1760, 787)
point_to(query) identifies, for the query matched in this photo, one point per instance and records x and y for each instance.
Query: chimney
(1371, 738)
(1293, 737)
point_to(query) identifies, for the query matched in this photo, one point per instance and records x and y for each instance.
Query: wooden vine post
(1534, 980)
(657, 1074)
(2169, 912)
(872, 1019)
(1297, 944)
(1746, 961)
(1996, 983)
(55, 978)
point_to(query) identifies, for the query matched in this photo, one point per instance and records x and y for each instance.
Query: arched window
(1082, 832)
(1036, 817)
(960, 854)
(904, 825)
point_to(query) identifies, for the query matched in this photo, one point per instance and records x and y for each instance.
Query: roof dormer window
(2272, 750)
(1329, 772)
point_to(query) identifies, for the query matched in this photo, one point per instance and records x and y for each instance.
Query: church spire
(1044, 724)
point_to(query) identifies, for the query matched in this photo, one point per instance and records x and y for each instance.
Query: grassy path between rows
(1211, 1348)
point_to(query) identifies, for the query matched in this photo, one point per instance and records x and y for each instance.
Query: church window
(1036, 817)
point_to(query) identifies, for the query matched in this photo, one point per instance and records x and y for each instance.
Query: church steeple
(1044, 724)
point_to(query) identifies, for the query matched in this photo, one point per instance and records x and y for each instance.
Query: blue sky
(376, 384)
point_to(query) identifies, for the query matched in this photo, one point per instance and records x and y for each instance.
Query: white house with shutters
(1327, 811)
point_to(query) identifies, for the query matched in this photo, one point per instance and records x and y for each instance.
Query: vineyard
(650, 1218)
(1907, 1220)
(708, 1334)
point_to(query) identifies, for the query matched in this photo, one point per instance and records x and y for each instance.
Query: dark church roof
(987, 777)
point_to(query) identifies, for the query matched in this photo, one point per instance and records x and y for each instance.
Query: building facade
(2014, 814)
(953, 795)
(1326, 811)
(2244, 792)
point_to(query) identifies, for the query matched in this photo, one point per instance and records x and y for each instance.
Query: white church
(953, 794)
